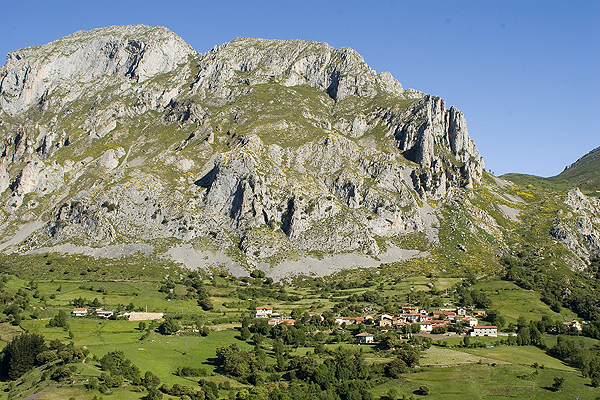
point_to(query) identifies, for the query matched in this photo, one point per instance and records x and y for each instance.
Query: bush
(61, 373)
(116, 364)
(191, 371)
(423, 390)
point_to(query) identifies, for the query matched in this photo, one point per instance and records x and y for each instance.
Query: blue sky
(526, 74)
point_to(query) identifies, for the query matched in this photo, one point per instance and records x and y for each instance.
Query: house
(104, 314)
(349, 320)
(491, 330)
(412, 318)
(143, 316)
(386, 320)
(426, 326)
(279, 321)
(443, 314)
(573, 324)
(264, 312)
(461, 311)
(480, 313)
(470, 321)
(410, 310)
(364, 338)
(80, 312)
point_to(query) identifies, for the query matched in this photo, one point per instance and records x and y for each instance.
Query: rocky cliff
(260, 150)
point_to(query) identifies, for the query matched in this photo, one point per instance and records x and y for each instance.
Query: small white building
(263, 312)
(573, 324)
(104, 313)
(364, 338)
(470, 322)
(426, 326)
(80, 312)
(491, 331)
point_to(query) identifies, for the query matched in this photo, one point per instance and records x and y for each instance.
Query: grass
(483, 381)
(441, 356)
(512, 302)
(520, 355)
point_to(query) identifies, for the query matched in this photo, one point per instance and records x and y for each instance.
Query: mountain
(584, 173)
(283, 155)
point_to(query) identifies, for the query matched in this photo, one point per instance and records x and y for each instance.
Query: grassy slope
(584, 173)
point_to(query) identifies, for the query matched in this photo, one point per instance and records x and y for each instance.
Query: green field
(450, 371)
(513, 302)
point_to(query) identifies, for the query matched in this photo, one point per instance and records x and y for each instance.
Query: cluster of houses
(409, 316)
(441, 318)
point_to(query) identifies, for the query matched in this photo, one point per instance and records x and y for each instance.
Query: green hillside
(584, 173)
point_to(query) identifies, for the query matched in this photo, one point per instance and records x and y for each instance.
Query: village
(412, 320)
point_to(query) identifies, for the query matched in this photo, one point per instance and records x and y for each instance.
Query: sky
(526, 74)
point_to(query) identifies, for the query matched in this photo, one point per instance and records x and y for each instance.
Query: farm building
(485, 331)
(364, 338)
(80, 312)
(144, 316)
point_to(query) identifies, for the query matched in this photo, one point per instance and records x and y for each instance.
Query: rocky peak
(249, 61)
(74, 63)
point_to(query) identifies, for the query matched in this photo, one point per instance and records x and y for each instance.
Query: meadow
(447, 368)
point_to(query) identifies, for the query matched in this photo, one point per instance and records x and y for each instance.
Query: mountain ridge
(255, 154)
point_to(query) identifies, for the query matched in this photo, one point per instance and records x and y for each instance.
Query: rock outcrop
(581, 232)
(63, 70)
(266, 147)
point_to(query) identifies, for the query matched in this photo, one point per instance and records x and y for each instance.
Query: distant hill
(583, 173)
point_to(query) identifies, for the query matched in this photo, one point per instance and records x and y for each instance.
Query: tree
(206, 304)
(169, 326)
(59, 319)
(558, 383)
(245, 333)
(19, 355)
(116, 364)
(396, 368)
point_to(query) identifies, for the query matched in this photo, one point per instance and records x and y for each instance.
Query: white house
(575, 324)
(264, 312)
(80, 312)
(364, 338)
(470, 321)
(104, 313)
(485, 331)
(426, 326)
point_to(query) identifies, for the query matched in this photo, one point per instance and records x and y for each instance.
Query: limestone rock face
(78, 61)
(437, 140)
(247, 61)
(582, 232)
(266, 148)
